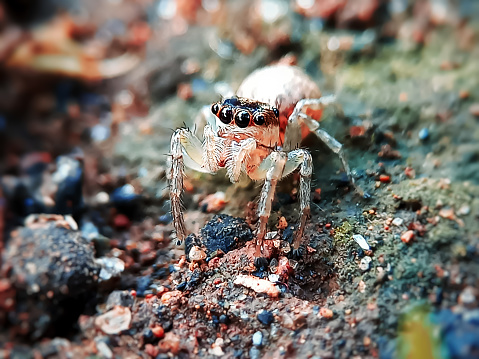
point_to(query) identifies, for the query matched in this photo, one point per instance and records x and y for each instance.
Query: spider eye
(276, 112)
(215, 108)
(259, 119)
(242, 119)
(226, 115)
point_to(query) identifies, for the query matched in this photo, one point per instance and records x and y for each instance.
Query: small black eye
(215, 108)
(259, 119)
(226, 115)
(242, 119)
(276, 112)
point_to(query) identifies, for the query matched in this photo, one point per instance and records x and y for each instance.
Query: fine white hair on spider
(257, 132)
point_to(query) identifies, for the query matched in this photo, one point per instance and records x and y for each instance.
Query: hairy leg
(271, 169)
(185, 149)
(302, 159)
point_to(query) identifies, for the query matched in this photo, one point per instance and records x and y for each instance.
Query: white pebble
(361, 241)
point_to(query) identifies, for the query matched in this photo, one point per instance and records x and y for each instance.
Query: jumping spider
(257, 132)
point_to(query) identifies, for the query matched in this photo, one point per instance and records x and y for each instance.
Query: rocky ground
(90, 265)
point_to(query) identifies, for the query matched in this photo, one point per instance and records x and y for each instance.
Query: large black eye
(215, 108)
(226, 115)
(276, 112)
(259, 119)
(242, 119)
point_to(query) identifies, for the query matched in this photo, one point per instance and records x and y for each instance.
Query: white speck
(397, 221)
(273, 278)
(166, 9)
(125, 98)
(104, 349)
(365, 263)
(361, 241)
(102, 198)
(333, 43)
(272, 10)
(210, 5)
(305, 4)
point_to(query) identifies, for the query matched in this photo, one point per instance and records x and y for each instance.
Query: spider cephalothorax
(241, 118)
(256, 133)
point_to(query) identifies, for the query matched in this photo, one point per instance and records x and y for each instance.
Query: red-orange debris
(407, 236)
(326, 313)
(385, 178)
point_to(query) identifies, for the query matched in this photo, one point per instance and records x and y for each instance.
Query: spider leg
(187, 149)
(271, 169)
(302, 159)
(298, 118)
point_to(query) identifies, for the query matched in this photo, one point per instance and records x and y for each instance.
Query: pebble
(423, 134)
(258, 339)
(326, 313)
(474, 109)
(361, 241)
(217, 351)
(114, 321)
(266, 317)
(467, 296)
(196, 254)
(110, 267)
(397, 221)
(254, 353)
(407, 236)
(365, 263)
(104, 350)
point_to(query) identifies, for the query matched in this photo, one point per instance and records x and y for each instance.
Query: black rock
(51, 259)
(55, 274)
(223, 233)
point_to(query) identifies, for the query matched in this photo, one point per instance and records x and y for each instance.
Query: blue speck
(423, 134)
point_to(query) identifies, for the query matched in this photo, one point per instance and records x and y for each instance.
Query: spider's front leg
(186, 149)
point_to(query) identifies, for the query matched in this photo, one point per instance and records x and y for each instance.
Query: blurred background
(90, 92)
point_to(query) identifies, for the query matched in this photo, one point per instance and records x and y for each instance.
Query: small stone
(407, 236)
(196, 254)
(326, 313)
(170, 343)
(361, 241)
(217, 351)
(258, 285)
(104, 350)
(467, 296)
(397, 221)
(266, 317)
(474, 109)
(258, 339)
(114, 321)
(385, 178)
(254, 353)
(464, 210)
(365, 263)
(158, 331)
(121, 221)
